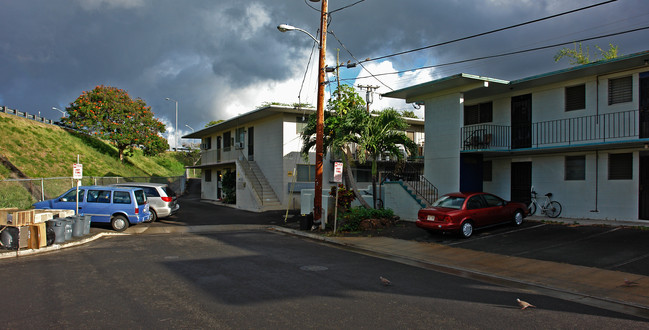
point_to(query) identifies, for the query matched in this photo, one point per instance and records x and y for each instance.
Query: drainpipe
(596, 151)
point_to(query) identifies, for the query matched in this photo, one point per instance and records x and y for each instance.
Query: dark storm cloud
(212, 56)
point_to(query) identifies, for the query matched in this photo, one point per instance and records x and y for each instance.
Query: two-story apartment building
(263, 148)
(581, 133)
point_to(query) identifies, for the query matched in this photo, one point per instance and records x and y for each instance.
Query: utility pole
(319, 136)
(369, 94)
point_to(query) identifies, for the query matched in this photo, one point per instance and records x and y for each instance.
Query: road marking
(568, 243)
(629, 261)
(495, 235)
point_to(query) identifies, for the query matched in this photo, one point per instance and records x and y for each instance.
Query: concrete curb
(56, 247)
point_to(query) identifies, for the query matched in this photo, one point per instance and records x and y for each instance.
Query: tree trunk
(350, 177)
(374, 176)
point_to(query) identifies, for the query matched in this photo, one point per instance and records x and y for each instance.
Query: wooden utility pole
(319, 137)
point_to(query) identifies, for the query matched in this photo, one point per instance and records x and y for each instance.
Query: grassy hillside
(38, 150)
(41, 150)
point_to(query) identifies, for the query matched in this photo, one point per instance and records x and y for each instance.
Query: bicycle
(549, 207)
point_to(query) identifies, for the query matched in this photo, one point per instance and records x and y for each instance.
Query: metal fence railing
(22, 193)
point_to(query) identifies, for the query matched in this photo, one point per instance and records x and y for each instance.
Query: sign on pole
(77, 171)
(338, 172)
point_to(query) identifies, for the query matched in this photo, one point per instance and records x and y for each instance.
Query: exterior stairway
(265, 193)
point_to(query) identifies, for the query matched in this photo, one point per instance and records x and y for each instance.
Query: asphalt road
(259, 279)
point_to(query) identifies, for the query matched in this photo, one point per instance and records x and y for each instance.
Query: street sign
(338, 172)
(77, 171)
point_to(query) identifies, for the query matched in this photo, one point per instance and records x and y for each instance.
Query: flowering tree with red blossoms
(110, 113)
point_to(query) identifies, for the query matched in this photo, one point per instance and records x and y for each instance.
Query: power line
(345, 7)
(489, 32)
(359, 62)
(502, 54)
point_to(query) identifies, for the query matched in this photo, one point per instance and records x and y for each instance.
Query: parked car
(462, 212)
(163, 202)
(119, 206)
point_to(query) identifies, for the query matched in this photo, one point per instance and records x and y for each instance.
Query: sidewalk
(598, 286)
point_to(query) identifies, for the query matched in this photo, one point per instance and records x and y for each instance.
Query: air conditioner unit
(238, 145)
(203, 146)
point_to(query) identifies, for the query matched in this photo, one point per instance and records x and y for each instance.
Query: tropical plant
(341, 124)
(229, 185)
(580, 56)
(110, 113)
(383, 135)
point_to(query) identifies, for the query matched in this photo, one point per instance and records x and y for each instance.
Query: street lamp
(319, 135)
(176, 130)
(59, 110)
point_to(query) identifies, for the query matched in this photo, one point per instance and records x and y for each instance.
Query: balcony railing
(554, 133)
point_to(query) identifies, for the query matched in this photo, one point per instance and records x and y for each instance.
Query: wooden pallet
(16, 217)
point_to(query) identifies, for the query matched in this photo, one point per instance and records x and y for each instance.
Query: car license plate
(430, 218)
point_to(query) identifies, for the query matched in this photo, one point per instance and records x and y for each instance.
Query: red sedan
(463, 211)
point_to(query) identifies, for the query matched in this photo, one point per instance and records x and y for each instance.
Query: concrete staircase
(259, 184)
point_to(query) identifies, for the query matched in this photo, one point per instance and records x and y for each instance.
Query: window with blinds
(620, 166)
(575, 168)
(576, 97)
(620, 90)
(478, 114)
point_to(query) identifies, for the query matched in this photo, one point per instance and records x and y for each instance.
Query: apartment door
(521, 182)
(251, 143)
(522, 121)
(470, 172)
(644, 105)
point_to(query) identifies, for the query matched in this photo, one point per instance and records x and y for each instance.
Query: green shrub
(352, 219)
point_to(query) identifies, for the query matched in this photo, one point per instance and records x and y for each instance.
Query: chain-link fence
(22, 193)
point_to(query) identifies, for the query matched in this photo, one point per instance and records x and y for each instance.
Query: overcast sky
(221, 58)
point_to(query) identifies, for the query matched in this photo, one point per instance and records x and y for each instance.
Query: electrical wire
(488, 32)
(299, 95)
(502, 54)
(345, 7)
(360, 63)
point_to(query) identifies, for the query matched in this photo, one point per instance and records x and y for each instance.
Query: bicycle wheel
(532, 208)
(553, 210)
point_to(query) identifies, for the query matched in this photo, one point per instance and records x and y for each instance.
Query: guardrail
(26, 115)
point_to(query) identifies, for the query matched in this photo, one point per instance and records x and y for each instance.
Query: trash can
(306, 221)
(9, 238)
(86, 224)
(62, 229)
(80, 225)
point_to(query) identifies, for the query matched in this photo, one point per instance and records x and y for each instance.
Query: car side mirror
(63, 199)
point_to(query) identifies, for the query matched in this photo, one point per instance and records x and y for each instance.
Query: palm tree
(340, 129)
(383, 135)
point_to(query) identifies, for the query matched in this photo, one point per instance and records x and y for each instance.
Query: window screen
(576, 97)
(575, 168)
(486, 171)
(620, 166)
(620, 90)
(478, 114)
(305, 173)
(208, 175)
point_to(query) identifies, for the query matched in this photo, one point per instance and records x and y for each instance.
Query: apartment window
(300, 124)
(240, 135)
(487, 171)
(478, 114)
(208, 175)
(620, 166)
(620, 90)
(576, 98)
(227, 141)
(207, 142)
(305, 173)
(575, 168)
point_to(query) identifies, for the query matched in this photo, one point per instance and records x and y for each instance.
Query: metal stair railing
(421, 187)
(250, 174)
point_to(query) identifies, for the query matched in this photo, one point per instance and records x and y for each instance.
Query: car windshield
(451, 202)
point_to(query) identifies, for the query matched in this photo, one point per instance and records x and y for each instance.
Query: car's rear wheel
(153, 217)
(119, 223)
(518, 218)
(466, 230)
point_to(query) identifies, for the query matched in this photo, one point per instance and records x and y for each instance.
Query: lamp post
(59, 110)
(176, 129)
(319, 136)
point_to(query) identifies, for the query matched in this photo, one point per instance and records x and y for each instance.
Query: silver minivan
(163, 202)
